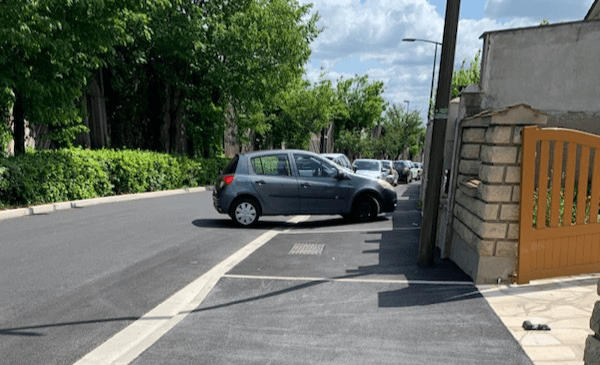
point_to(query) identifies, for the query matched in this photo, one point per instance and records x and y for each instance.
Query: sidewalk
(564, 304)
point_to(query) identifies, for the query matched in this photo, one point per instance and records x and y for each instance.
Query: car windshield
(386, 164)
(400, 164)
(367, 165)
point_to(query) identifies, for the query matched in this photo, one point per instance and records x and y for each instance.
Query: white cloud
(367, 38)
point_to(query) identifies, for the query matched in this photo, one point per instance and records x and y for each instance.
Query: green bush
(40, 177)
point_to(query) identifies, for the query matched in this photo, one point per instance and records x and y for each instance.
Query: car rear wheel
(245, 212)
(365, 209)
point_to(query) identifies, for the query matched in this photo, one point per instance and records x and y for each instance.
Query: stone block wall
(487, 193)
(592, 345)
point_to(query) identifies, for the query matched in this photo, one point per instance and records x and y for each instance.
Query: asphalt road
(74, 279)
(71, 279)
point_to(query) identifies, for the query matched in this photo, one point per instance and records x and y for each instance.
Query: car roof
(367, 159)
(269, 152)
(334, 155)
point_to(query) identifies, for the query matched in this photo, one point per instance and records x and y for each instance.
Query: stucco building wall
(551, 68)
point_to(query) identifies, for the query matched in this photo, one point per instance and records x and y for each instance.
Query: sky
(365, 37)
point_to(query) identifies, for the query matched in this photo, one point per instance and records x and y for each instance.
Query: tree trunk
(177, 130)
(165, 127)
(96, 105)
(19, 124)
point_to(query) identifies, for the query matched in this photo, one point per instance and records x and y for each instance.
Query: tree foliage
(207, 63)
(403, 131)
(174, 72)
(48, 49)
(466, 76)
(296, 113)
(364, 103)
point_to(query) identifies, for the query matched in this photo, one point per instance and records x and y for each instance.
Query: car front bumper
(390, 201)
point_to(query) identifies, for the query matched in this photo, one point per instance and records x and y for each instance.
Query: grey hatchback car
(288, 182)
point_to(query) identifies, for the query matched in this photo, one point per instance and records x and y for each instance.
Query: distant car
(420, 167)
(417, 170)
(339, 158)
(393, 175)
(405, 170)
(370, 168)
(289, 182)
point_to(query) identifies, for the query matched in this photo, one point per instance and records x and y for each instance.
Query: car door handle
(260, 182)
(305, 185)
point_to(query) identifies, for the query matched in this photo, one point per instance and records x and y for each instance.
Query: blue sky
(365, 37)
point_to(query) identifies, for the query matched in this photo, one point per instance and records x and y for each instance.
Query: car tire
(365, 209)
(409, 179)
(245, 212)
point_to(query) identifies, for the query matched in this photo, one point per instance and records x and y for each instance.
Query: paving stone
(545, 353)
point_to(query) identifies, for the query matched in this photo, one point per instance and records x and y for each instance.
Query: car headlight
(385, 184)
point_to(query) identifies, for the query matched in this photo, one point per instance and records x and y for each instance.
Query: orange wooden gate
(559, 232)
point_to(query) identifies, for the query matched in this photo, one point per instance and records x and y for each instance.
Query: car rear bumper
(218, 200)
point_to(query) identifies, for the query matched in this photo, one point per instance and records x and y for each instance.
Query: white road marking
(351, 280)
(366, 229)
(127, 345)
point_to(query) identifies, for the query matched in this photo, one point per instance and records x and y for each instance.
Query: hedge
(50, 176)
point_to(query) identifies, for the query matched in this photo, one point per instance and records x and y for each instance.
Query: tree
(355, 144)
(207, 63)
(364, 104)
(464, 76)
(403, 131)
(48, 49)
(296, 113)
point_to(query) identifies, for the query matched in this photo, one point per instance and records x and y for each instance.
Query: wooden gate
(559, 232)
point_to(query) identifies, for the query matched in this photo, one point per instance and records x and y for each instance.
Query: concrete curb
(49, 208)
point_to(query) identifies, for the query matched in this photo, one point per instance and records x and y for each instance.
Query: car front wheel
(245, 212)
(365, 209)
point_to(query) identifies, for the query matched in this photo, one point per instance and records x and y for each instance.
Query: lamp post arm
(421, 40)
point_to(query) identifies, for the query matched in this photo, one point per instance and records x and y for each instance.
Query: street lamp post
(440, 118)
(429, 113)
(407, 106)
(432, 72)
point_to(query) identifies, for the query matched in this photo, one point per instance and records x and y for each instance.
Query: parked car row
(408, 171)
(392, 172)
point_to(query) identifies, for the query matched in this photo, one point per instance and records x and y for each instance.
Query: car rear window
(367, 165)
(232, 166)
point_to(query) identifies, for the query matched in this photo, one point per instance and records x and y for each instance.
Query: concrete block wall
(592, 344)
(485, 222)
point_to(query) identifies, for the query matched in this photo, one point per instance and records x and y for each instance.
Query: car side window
(309, 166)
(273, 165)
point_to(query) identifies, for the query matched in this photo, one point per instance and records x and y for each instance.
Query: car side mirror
(342, 175)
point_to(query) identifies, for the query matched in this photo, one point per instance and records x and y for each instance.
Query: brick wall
(486, 201)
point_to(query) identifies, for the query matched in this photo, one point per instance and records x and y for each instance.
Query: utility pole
(435, 167)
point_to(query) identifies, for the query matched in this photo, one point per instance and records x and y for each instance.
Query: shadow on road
(272, 224)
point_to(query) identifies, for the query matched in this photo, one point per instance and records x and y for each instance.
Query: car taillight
(227, 179)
